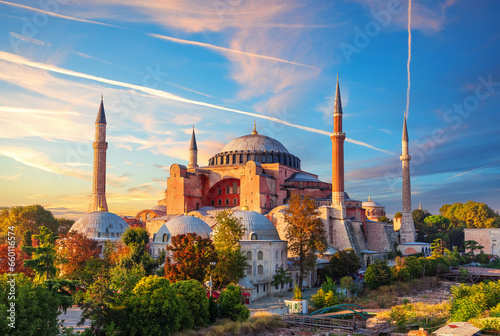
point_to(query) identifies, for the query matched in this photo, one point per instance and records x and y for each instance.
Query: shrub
(318, 299)
(490, 323)
(297, 292)
(193, 293)
(213, 310)
(230, 305)
(378, 274)
(483, 258)
(471, 301)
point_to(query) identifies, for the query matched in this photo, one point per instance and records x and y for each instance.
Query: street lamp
(212, 264)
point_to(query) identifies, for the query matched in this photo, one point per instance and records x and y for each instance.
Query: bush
(230, 305)
(490, 323)
(213, 310)
(378, 274)
(472, 301)
(36, 309)
(318, 299)
(482, 258)
(193, 293)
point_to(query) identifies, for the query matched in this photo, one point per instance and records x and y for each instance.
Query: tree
(305, 232)
(281, 277)
(74, 251)
(136, 242)
(472, 246)
(64, 225)
(26, 218)
(190, 259)
(343, 263)
(195, 296)
(43, 257)
(231, 263)
(419, 216)
(438, 247)
(19, 256)
(398, 215)
(439, 223)
(471, 214)
(384, 219)
(378, 274)
(231, 306)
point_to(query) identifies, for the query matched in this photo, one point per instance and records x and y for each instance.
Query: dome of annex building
(188, 224)
(371, 203)
(100, 225)
(254, 147)
(257, 226)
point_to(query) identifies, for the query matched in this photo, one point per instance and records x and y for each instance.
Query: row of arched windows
(226, 201)
(260, 255)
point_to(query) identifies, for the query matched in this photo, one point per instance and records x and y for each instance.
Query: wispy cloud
(83, 55)
(228, 50)
(154, 92)
(11, 178)
(30, 40)
(53, 14)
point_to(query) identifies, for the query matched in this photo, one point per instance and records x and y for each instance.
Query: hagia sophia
(254, 176)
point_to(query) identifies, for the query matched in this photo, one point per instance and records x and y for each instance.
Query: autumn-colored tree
(305, 232)
(26, 218)
(74, 251)
(136, 249)
(19, 257)
(43, 257)
(190, 259)
(231, 263)
(473, 215)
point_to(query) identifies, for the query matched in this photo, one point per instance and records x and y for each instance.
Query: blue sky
(163, 66)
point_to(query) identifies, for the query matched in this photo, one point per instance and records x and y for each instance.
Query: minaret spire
(407, 232)
(98, 202)
(193, 152)
(338, 138)
(254, 128)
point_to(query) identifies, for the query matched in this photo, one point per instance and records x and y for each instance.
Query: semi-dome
(160, 208)
(254, 147)
(257, 226)
(188, 224)
(100, 225)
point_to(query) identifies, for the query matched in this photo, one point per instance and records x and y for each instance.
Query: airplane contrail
(159, 93)
(228, 50)
(409, 59)
(55, 14)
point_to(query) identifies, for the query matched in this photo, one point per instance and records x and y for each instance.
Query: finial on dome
(185, 208)
(369, 198)
(254, 128)
(245, 207)
(101, 208)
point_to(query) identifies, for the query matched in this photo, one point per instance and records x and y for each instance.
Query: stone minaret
(407, 231)
(338, 138)
(193, 153)
(98, 202)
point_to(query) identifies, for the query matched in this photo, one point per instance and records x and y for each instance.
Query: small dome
(257, 226)
(188, 224)
(160, 208)
(254, 142)
(159, 237)
(372, 204)
(100, 225)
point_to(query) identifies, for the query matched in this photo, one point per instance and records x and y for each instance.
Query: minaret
(193, 153)
(338, 138)
(98, 202)
(407, 231)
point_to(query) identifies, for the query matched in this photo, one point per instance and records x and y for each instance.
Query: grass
(255, 325)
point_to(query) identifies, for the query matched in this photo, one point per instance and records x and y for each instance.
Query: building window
(260, 270)
(219, 191)
(219, 202)
(227, 201)
(249, 270)
(212, 202)
(235, 201)
(281, 254)
(165, 238)
(276, 254)
(227, 190)
(253, 236)
(249, 255)
(260, 255)
(235, 188)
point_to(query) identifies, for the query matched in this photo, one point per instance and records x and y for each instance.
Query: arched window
(219, 202)
(219, 191)
(253, 236)
(235, 201)
(227, 200)
(235, 188)
(212, 202)
(276, 254)
(249, 255)
(281, 254)
(227, 190)
(260, 255)
(165, 238)
(260, 270)
(276, 268)
(249, 270)
(271, 204)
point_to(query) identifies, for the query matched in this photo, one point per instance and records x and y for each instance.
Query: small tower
(193, 153)
(338, 138)
(407, 232)
(98, 202)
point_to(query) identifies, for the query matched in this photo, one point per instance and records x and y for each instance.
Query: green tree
(384, 219)
(281, 277)
(26, 218)
(43, 257)
(471, 214)
(231, 306)
(438, 247)
(414, 267)
(342, 263)
(136, 241)
(419, 216)
(305, 232)
(190, 259)
(398, 215)
(231, 263)
(439, 222)
(318, 299)
(36, 308)
(195, 296)
(378, 274)
(472, 246)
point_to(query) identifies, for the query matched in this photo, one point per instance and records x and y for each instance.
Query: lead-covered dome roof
(257, 226)
(188, 224)
(254, 142)
(100, 225)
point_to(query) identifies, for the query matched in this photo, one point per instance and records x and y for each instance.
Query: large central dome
(254, 147)
(255, 142)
